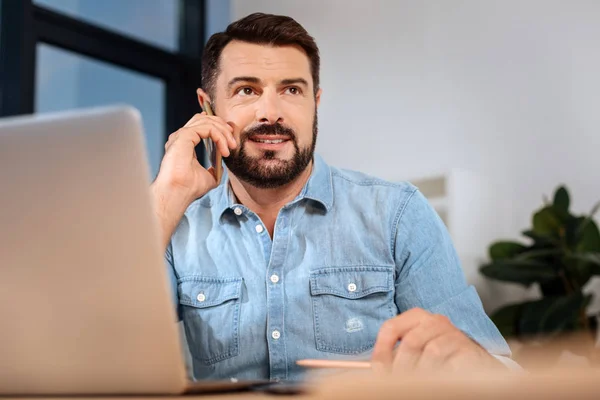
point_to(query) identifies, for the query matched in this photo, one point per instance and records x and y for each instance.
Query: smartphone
(214, 156)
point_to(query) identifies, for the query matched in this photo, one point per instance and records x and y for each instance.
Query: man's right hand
(181, 178)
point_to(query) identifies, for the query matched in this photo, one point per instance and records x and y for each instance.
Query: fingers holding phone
(181, 178)
(180, 167)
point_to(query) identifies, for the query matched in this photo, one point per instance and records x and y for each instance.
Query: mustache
(271, 129)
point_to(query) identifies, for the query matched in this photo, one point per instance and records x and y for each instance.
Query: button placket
(278, 355)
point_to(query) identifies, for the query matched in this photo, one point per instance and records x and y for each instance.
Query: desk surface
(550, 385)
(228, 396)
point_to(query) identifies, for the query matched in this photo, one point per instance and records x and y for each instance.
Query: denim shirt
(350, 252)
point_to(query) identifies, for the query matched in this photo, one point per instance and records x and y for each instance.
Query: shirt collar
(318, 188)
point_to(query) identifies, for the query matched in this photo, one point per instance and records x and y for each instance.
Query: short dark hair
(259, 28)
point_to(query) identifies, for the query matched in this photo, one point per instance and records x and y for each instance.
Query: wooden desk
(580, 384)
(230, 396)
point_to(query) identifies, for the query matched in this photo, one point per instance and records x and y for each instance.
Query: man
(288, 258)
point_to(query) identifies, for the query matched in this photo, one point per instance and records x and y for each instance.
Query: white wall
(508, 89)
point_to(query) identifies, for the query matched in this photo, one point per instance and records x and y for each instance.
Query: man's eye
(245, 91)
(293, 90)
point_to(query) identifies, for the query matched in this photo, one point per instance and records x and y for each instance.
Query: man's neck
(266, 203)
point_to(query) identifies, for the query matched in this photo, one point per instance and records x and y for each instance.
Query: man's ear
(318, 97)
(202, 97)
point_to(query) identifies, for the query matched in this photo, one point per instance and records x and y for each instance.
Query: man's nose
(269, 108)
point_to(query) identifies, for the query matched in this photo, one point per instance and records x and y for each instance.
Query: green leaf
(590, 257)
(589, 238)
(524, 272)
(564, 313)
(583, 266)
(582, 272)
(539, 241)
(573, 231)
(585, 221)
(550, 315)
(538, 254)
(554, 287)
(532, 313)
(547, 222)
(507, 319)
(561, 200)
(502, 250)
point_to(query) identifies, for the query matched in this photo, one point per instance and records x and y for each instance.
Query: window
(152, 21)
(64, 54)
(65, 80)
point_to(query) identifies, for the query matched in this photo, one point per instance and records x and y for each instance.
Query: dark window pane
(66, 80)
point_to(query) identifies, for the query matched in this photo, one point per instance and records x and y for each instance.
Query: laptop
(85, 305)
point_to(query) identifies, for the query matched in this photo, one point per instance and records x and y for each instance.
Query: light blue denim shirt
(350, 252)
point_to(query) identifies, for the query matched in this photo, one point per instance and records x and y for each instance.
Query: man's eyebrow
(255, 80)
(248, 79)
(294, 81)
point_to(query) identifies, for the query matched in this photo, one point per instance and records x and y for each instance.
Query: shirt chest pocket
(210, 308)
(349, 306)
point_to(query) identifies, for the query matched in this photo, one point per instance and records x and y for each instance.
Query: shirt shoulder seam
(396, 223)
(368, 181)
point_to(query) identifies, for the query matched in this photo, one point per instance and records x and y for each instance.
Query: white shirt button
(275, 334)
(201, 297)
(274, 278)
(237, 211)
(259, 228)
(352, 287)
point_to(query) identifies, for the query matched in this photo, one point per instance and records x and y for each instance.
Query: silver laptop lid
(84, 299)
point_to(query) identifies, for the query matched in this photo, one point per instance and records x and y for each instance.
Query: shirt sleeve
(509, 363)
(169, 265)
(429, 275)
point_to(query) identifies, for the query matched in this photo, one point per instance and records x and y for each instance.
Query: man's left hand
(428, 343)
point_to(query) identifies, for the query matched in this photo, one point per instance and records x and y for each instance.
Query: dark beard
(250, 170)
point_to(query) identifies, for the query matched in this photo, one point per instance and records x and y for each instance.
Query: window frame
(23, 25)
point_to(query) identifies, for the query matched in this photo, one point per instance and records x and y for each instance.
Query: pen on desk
(308, 363)
(214, 153)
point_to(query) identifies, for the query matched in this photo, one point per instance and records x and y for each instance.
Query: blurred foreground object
(555, 384)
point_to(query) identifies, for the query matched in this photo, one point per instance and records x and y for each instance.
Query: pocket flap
(351, 282)
(202, 292)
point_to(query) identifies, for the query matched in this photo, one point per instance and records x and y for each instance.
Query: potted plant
(561, 254)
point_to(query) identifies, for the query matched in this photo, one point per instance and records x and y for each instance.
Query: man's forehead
(263, 61)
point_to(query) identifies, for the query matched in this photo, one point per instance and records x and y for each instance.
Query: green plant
(562, 255)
